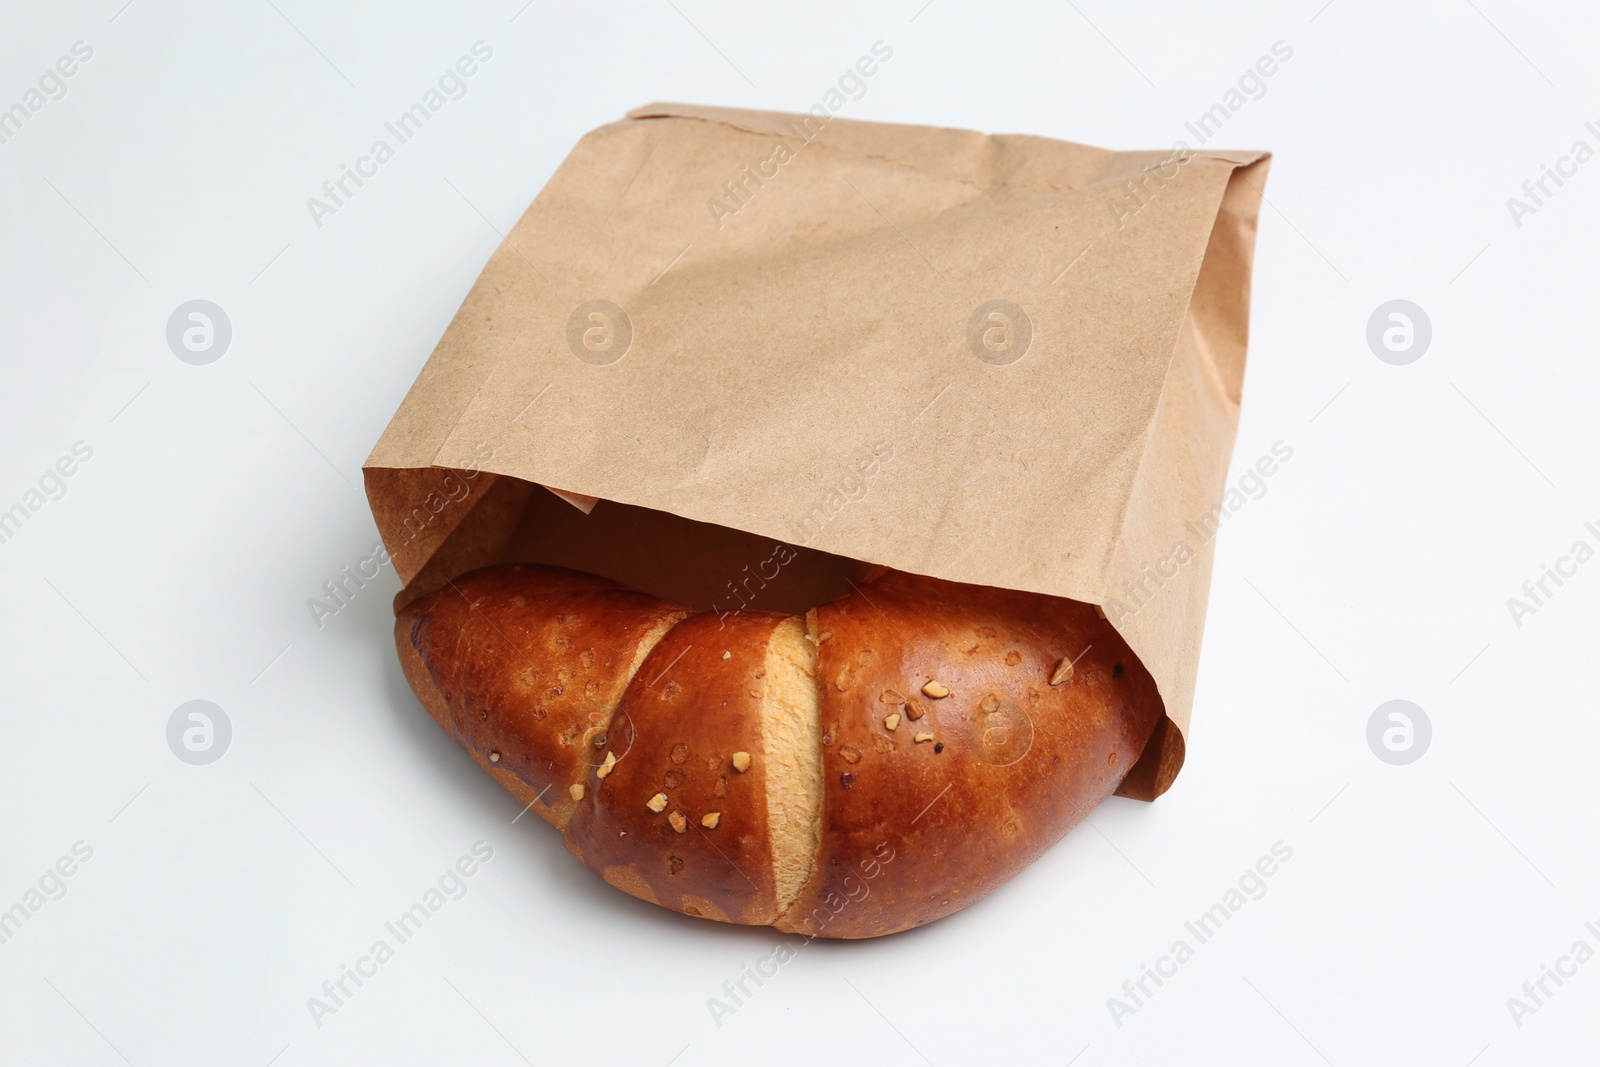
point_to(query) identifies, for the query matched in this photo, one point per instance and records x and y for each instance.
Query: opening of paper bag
(726, 354)
(699, 565)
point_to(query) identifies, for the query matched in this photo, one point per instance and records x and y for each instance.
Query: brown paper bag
(741, 349)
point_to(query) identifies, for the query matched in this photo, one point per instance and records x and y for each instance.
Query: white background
(219, 498)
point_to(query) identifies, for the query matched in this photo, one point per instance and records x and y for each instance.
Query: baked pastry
(878, 763)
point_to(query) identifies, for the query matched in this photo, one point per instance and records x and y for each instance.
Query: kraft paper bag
(729, 344)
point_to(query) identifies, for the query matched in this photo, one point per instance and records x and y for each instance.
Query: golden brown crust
(949, 760)
(432, 699)
(686, 713)
(914, 829)
(528, 664)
